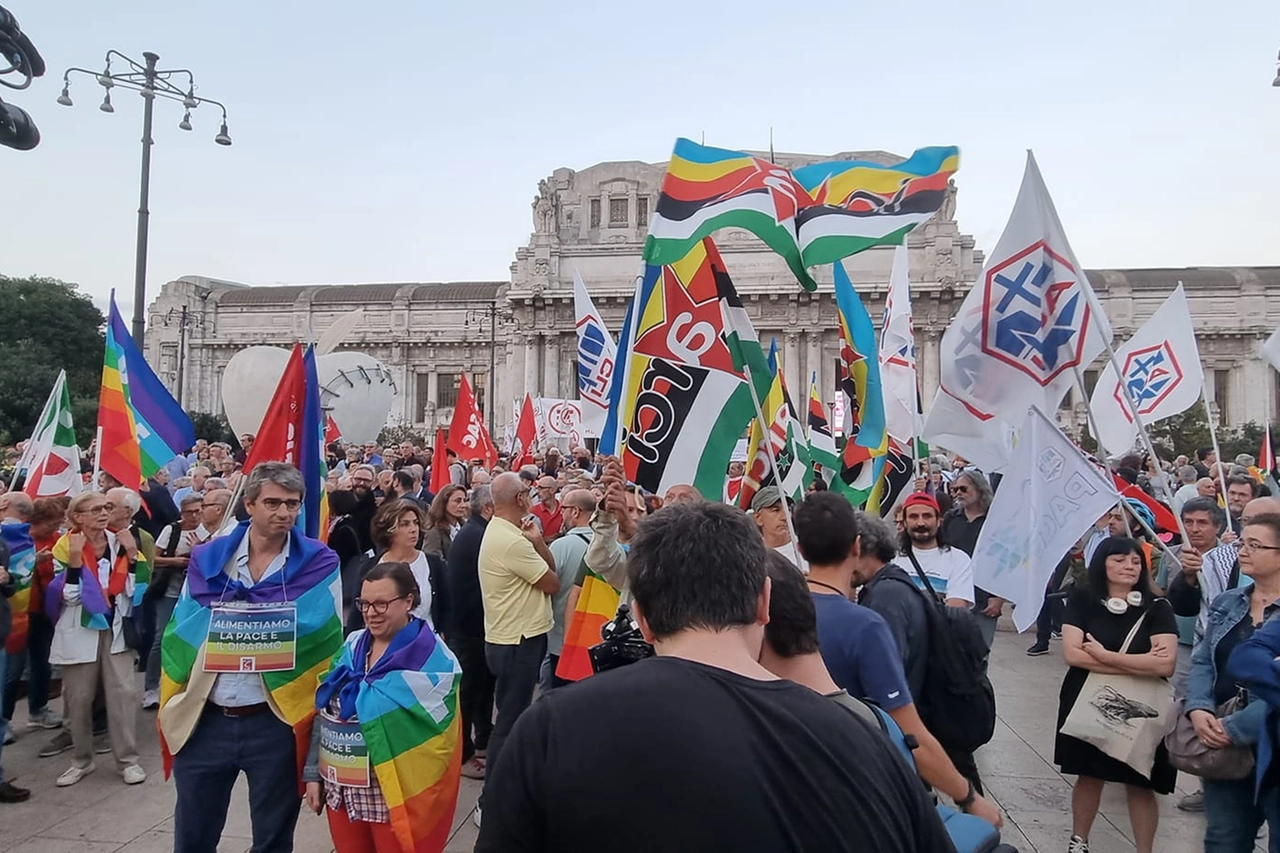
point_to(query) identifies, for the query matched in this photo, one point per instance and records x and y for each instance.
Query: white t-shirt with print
(950, 571)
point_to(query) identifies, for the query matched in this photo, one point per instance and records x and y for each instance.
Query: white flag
(1270, 349)
(1160, 368)
(1049, 496)
(597, 355)
(51, 458)
(898, 354)
(1025, 326)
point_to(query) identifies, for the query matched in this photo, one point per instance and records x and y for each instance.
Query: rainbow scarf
(22, 565)
(310, 579)
(407, 706)
(95, 602)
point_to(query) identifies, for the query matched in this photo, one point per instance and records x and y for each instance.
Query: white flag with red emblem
(1160, 371)
(1026, 326)
(52, 458)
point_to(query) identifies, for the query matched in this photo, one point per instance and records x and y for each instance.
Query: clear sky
(403, 141)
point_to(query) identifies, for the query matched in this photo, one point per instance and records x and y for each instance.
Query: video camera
(17, 128)
(622, 643)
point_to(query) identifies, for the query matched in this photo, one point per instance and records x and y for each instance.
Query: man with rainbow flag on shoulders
(253, 632)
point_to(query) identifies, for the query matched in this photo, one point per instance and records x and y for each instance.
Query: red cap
(922, 499)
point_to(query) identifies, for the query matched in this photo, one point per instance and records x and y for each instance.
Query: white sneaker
(475, 816)
(73, 775)
(44, 719)
(134, 775)
(1077, 845)
(150, 699)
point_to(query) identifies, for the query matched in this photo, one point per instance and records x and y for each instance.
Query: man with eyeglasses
(254, 629)
(351, 538)
(971, 494)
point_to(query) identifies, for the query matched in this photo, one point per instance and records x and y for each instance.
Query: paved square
(102, 815)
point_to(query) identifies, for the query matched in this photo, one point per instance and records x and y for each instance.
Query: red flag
(526, 435)
(467, 436)
(1166, 521)
(1267, 456)
(331, 431)
(439, 464)
(280, 436)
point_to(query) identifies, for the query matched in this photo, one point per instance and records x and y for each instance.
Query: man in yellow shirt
(517, 580)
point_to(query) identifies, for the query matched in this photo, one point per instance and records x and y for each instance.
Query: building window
(1090, 382)
(447, 385)
(422, 398)
(1221, 382)
(479, 387)
(642, 212)
(617, 211)
(595, 213)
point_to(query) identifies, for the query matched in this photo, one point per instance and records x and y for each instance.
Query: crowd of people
(767, 629)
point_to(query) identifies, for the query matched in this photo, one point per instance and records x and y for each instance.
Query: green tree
(48, 325)
(390, 436)
(213, 428)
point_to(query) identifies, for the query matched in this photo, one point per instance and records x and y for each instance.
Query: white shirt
(236, 689)
(793, 554)
(949, 570)
(1183, 495)
(422, 574)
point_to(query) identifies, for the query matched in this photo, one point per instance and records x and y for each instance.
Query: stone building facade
(593, 222)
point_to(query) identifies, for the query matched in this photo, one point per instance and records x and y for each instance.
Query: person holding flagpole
(230, 704)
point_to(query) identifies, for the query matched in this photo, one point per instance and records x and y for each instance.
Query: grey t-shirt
(894, 595)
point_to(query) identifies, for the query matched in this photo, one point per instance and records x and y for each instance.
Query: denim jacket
(1245, 726)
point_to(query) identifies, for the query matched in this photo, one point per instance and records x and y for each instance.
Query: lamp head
(223, 138)
(106, 104)
(65, 97)
(185, 124)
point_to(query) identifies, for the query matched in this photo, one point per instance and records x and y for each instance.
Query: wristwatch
(972, 795)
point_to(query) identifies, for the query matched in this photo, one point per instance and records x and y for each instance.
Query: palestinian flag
(778, 437)
(817, 214)
(822, 444)
(52, 458)
(685, 403)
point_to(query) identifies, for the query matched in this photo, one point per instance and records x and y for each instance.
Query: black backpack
(958, 704)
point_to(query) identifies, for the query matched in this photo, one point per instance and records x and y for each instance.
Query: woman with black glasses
(385, 756)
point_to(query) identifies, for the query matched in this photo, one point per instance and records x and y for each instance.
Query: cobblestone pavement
(102, 815)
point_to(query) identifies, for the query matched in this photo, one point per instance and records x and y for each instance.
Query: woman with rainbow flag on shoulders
(88, 602)
(385, 753)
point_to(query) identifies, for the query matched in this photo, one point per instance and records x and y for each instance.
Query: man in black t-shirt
(700, 748)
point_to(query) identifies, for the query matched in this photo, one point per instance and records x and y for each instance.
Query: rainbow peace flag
(309, 581)
(141, 427)
(813, 215)
(597, 604)
(22, 567)
(407, 706)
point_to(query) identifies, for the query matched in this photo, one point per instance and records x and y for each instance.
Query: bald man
(577, 507)
(517, 580)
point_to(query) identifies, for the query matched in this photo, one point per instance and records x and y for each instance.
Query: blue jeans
(163, 610)
(1233, 819)
(206, 768)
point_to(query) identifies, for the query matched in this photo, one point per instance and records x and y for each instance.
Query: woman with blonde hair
(88, 601)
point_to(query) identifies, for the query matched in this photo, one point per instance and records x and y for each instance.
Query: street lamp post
(151, 83)
(185, 321)
(493, 315)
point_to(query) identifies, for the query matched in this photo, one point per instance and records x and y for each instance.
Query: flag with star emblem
(819, 214)
(52, 458)
(683, 403)
(1028, 324)
(781, 437)
(1161, 375)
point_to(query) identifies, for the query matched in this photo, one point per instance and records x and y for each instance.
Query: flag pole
(767, 439)
(97, 458)
(1093, 428)
(1213, 438)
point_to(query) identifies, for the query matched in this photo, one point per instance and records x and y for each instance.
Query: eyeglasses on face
(273, 504)
(1254, 545)
(378, 607)
(99, 508)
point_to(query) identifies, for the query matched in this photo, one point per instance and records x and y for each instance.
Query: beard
(922, 534)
